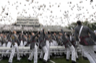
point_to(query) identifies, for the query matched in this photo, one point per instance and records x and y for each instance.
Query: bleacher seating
(27, 49)
(27, 21)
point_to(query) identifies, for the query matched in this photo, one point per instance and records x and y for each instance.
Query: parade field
(47, 31)
(56, 60)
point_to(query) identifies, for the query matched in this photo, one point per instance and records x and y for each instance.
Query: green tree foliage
(92, 26)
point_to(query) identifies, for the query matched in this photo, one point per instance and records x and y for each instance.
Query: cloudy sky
(49, 12)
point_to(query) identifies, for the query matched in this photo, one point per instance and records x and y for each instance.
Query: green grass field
(56, 60)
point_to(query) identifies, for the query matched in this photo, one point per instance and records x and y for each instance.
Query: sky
(49, 12)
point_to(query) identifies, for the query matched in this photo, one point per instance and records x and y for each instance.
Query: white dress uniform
(88, 52)
(34, 48)
(48, 46)
(21, 45)
(43, 46)
(53, 43)
(34, 53)
(25, 43)
(71, 50)
(4, 45)
(9, 46)
(69, 47)
(44, 49)
(14, 48)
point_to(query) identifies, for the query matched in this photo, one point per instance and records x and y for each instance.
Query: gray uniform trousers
(34, 53)
(14, 48)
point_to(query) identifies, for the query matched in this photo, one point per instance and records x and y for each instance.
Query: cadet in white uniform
(4, 40)
(14, 48)
(9, 43)
(69, 47)
(47, 45)
(43, 47)
(34, 48)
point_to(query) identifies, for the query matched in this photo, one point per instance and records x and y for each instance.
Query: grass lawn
(56, 60)
(63, 60)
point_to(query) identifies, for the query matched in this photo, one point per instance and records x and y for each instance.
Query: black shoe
(4, 57)
(74, 62)
(29, 60)
(94, 51)
(44, 61)
(77, 58)
(40, 59)
(9, 62)
(48, 60)
(18, 60)
(24, 55)
(85, 58)
(67, 59)
(53, 54)
(0, 58)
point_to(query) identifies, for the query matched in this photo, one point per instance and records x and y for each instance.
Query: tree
(92, 26)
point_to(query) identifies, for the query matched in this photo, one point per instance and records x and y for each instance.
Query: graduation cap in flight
(91, 0)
